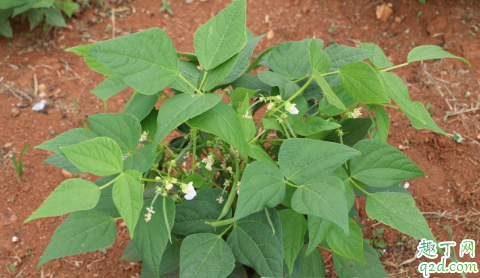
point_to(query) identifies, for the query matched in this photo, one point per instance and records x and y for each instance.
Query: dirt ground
(35, 62)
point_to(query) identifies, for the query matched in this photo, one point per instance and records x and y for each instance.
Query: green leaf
(205, 207)
(70, 195)
(190, 72)
(331, 97)
(311, 265)
(34, 18)
(222, 36)
(5, 27)
(398, 188)
(140, 105)
(109, 87)
(379, 61)
(151, 237)
(348, 268)
(43, 4)
(54, 17)
(128, 197)
(254, 244)
(252, 82)
(291, 59)
(222, 121)
(146, 60)
(67, 7)
(71, 137)
(238, 272)
(81, 50)
(318, 228)
(217, 74)
(294, 227)
(423, 113)
(171, 257)
(382, 121)
(349, 245)
(262, 59)
(262, 186)
(99, 156)
(341, 55)
(258, 153)
(302, 160)
(131, 253)
(429, 52)
(20, 9)
(62, 162)
(313, 125)
(123, 128)
(7, 4)
(82, 231)
(329, 109)
(354, 131)
(323, 197)
(97, 66)
(179, 108)
(238, 97)
(382, 165)
(149, 124)
(319, 61)
(398, 211)
(205, 255)
(141, 160)
(105, 203)
(244, 114)
(243, 61)
(362, 83)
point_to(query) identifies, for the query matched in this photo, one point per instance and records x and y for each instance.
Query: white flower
(238, 188)
(209, 162)
(148, 216)
(270, 106)
(144, 137)
(290, 107)
(39, 106)
(220, 199)
(356, 113)
(246, 115)
(234, 152)
(124, 157)
(168, 186)
(189, 190)
(406, 185)
(230, 170)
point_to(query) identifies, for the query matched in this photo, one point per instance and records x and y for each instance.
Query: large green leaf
(109, 87)
(329, 109)
(252, 82)
(70, 195)
(97, 66)
(54, 17)
(100, 156)
(123, 128)
(171, 257)
(380, 60)
(294, 227)
(222, 121)
(340, 55)
(243, 61)
(262, 59)
(398, 211)
(313, 125)
(311, 265)
(354, 130)
(82, 231)
(331, 97)
(179, 108)
(71, 137)
(362, 83)
(216, 75)
(20, 9)
(151, 237)
(191, 216)
(254, 244)
(382, 121)
(190, 72)
(429, 52)
(319, 61)
(302, 160)
(423, 113)
(128, 197)
(140, 105)
(34, 18)
(348, 268)
(222, 36)
(292, 59)
(246, 122)
(318, 229)
(258, 153)
(62, 162)
(7, 4)
(141, 160)
(43, 4)
(205, 255)
(323, 197)
(105, 203)
(382, 165)
(348, 245)
(146, 60)
(262, 186)
(131, 254)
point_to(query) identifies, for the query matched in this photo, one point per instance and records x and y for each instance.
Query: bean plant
(263, 169)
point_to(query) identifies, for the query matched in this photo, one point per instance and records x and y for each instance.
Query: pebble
(14, 239)
(42, 89)
(67, 174)
(270, 34)
(15, 112)
(13, 218)
(52, 132)
(383, 12)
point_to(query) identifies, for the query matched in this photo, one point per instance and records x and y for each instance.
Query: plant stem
(298, 80)
(291, 184)
(203, 79)
(233, 192)
(194, 132)
(296, 94)
(394, 67)
(391, 106)
(330, 73)
(190, 84)
(110, 182)
(165, 94)
(221, 223)
(358, 186)
(269, 220)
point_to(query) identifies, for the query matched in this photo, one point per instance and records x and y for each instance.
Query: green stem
(391, 106)
(112, 181)
(233, 192)
(269, 220)
(285, 130)
(290, 129)
(358, 186)
(394, 67)
(165, 217)
(203, 79)
(298, 80)
(194, 131)
(165, 94)
(291, 184)
(346, 113)
(152, 180)
(190, 84)
(221, 223)
(273, 140)
(254, 139)
(295, 95)
(330, 73)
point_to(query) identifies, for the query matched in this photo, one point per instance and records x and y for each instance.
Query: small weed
(19, 166)
(418, 15)
(11, 269)
(458, 138)
(378, 233)
(166, 7)
(398, 45)
(29, 251)
(108, 28)
(330, 40)
(412, 43)
(28, 35)
(430, 108)
(332, 29)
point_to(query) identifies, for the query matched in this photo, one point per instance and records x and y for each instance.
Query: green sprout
(19, 166)
(166, 7)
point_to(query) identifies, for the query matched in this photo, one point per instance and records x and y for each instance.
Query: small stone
(8, 144)
(13, 218)
(189, 1)
(52, 132)
(42, 89)
(398, 20)
(15, 112)
(14, 239)
(383, 12)
(270, 34)
(67, 174)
